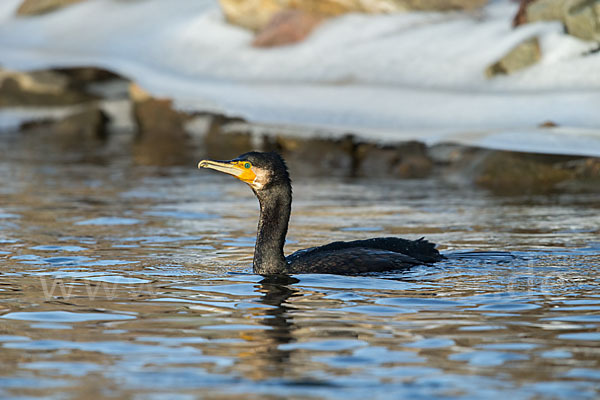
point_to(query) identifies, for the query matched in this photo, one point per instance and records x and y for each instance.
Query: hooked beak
(231, 167)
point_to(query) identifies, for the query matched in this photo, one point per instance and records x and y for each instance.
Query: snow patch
(406, 76)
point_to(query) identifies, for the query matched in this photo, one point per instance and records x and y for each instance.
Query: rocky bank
(158, 134)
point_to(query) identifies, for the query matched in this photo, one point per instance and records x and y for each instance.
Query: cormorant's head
(259, 170)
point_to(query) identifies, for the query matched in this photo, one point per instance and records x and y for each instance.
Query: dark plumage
(267, 175)
(360, 256)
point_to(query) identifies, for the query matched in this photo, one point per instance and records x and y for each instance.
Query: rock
(316, 156)
(588, 168)
(82, 76)
(35, 7)
(506, 172)
(87, 125)
(346, 158)
(405, 160)
(450, 154)
(156, 116)
(97, 81)
(82, 130)
(253, 15)
(520, 17)
(38, 88)
(374, 161)
(548, 124)
(582, 19)
(256, 14)
(287, 27)
(137, 94)
(414, 162)
(586, 176)
(222, 144)
(442, 5)
(161, 138)
(79, 137)
(545, 10)
(522, 56)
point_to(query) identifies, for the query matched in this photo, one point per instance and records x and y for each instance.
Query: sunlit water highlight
(128, 282)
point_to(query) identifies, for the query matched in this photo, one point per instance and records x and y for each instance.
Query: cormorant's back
(361, 256)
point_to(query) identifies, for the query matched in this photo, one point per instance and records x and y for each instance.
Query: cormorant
(267, 175)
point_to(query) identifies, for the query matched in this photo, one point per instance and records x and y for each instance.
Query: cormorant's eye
(247, 165)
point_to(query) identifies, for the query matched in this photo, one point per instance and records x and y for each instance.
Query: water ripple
(64, 316)
(109, 221)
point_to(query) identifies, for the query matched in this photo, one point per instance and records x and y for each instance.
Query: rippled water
(120, 281)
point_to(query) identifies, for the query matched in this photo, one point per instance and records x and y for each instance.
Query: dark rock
(38, 88)
(413, 165)
(588, 168)
(375, 161)
(449, 154)
(82, 76)
(521, 173)
(157, 117)
(161, 137)
(226, 145)
(36, 124)
(316, 156)
(87, 125)
(86, 129)
(287, 27)
(405, 160)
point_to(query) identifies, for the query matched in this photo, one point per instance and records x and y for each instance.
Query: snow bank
(389, 77)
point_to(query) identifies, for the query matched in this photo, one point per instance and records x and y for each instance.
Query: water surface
(121, 281)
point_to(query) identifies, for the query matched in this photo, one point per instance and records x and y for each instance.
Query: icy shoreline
(416, 76)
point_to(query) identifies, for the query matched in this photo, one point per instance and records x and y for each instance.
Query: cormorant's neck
(275, 207)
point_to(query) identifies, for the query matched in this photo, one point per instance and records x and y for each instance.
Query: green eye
(247, 165)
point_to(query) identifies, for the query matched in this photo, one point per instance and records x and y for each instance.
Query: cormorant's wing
(347, 261)
(421, 249)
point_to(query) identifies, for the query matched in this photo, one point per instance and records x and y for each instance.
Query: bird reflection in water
(266, 358)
